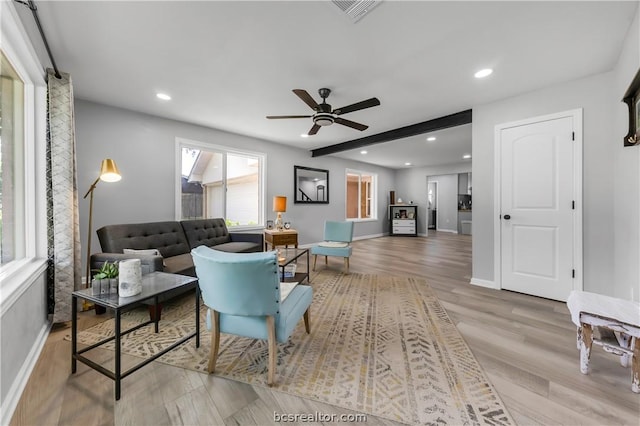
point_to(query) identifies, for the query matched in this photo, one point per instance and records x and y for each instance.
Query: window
(216, 181)
(361, 195)
(23, 94)
(11, 159)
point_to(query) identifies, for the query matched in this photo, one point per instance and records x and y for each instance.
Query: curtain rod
(32, 6)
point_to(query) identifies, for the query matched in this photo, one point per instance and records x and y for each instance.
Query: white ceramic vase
(130, 277)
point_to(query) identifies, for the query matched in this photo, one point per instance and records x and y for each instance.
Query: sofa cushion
(166, 237)
(206, 232)
(238, 247)
(146, 252)
(180, 264)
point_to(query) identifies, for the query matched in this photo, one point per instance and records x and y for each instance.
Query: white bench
(618, 323)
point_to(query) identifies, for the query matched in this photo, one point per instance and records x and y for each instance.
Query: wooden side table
(286, 237)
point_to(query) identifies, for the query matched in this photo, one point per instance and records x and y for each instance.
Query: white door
(432, 205)
(538, 207)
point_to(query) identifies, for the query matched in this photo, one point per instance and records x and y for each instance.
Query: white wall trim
(576, 115)
(16, 284)
(447, 230)
(484, 283)
(17, 387)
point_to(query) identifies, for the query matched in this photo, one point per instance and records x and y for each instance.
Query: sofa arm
(148, 263)
(247, 237)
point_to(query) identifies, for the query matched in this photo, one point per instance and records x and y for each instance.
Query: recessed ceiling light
(466, 156)
(163, 96)
(431, 138)
(363, 152)
(407, 164)
(483, 73)
(304, 135)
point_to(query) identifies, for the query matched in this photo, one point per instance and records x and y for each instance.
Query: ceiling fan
(324, 116)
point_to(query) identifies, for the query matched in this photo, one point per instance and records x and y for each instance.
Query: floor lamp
(109, 173)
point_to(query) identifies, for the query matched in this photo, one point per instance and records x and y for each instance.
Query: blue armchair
(242, 292)
(337, 242)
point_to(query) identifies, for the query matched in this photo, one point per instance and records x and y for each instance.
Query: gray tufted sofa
(174, 240)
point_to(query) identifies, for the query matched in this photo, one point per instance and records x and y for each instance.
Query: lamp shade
(109, 171)
(279, 203)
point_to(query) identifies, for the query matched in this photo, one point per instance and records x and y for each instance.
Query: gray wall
(610, 214)
(22, 328)
(626, 177)
(592, 94)
(411, 184)
(143, 146)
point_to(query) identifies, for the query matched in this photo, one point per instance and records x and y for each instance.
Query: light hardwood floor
(525, 344)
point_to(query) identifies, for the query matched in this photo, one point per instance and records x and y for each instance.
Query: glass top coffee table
(288, 257)
(154, 285)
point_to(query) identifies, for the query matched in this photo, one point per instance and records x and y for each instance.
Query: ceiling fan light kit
(323, 119)
(324, 115)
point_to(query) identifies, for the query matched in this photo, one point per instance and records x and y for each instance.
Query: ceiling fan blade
(306, 98)
(357, 106)
(287, 116)
(314, 130)
(351, 124)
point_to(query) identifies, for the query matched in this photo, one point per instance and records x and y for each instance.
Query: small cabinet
(403, 219)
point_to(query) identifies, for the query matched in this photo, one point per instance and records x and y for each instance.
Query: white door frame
(576, 114)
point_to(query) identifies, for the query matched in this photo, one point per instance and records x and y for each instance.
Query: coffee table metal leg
(156, 318)
(74, 332)
(197, 315)
(118, 372)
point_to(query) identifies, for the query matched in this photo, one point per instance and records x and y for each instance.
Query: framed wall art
(311, 185)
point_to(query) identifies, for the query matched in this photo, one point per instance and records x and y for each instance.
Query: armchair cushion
(335, 244)
(294, 306)
(331, 251)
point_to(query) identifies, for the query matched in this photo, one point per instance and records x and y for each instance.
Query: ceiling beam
(453, 120)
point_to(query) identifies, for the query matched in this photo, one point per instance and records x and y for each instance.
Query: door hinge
(573, 136)
(573, 205)
(573, 273)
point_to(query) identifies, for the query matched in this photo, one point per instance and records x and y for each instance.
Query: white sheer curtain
(65, 269)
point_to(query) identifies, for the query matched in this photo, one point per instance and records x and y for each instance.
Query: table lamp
(109, 173)
(279, 206)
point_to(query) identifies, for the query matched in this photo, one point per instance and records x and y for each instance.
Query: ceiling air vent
(356, 9)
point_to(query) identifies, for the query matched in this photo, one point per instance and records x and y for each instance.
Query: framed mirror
(311, 185)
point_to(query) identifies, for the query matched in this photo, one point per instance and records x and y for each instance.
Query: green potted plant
(106, 279)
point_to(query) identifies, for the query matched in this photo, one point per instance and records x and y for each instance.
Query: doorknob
(506, 217)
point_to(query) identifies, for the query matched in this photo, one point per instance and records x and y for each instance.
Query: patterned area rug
(379, 345)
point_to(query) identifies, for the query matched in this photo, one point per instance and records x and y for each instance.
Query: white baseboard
(17, 387)
(367, 237)
(447, 230)
(484, 283)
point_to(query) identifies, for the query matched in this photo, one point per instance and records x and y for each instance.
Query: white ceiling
(229, 64)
